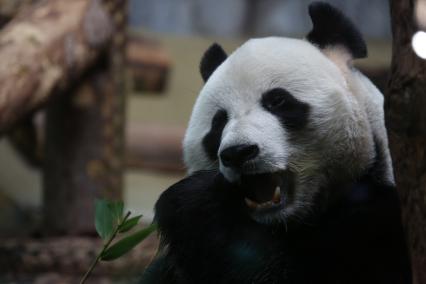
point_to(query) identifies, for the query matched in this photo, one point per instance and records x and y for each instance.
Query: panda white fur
(290, 176)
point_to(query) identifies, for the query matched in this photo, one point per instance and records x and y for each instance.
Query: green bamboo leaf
(116, 208)
(104, 219)
(129, 224)
(126, 244)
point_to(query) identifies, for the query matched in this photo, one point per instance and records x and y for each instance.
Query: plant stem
(106, 245)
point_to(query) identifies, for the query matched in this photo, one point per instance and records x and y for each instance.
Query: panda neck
(339, 198)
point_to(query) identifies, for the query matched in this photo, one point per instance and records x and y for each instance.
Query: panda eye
(274, 99)
(288, 109)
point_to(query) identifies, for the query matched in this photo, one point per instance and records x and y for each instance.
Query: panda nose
(236, 156)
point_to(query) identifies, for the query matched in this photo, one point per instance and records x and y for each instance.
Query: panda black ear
(331, 27)
(212, 58)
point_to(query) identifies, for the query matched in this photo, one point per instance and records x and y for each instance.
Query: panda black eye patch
(211, 141)
(292, 113)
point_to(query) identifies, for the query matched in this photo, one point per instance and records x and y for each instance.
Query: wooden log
(406, 118)
(155, 147)
(84, 151)
(45, 48)
(148, 63)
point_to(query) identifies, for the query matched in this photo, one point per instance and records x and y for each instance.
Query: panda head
(286, 118)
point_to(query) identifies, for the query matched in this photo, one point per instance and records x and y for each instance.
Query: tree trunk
(406, 119)
(84, 140)
(44, 48)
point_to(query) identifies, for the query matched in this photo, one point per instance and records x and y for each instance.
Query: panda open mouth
(265, 191)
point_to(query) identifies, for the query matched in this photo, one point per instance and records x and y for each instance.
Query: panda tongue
(260, 187)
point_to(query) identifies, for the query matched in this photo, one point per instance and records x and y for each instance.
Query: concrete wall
(251, 17)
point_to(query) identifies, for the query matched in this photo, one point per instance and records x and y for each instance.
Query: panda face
(283, 119)
(275, 117)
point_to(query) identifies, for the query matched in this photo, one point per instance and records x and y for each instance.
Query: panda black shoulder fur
(290, 177)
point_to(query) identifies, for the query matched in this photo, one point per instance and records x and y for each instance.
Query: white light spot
(419, 44)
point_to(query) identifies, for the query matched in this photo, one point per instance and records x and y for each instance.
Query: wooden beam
(44, 49)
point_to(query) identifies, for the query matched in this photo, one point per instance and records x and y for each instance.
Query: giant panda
(289, 173)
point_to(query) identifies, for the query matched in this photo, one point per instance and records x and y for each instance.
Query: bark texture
(44, 48)
(85, 139)
(406, 118)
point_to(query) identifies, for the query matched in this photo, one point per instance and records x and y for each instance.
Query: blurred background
(166, 39)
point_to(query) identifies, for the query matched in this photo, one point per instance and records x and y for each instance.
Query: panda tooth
(277, 195)
(251, 204)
